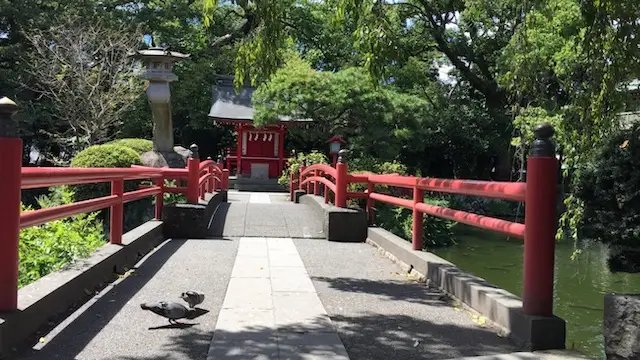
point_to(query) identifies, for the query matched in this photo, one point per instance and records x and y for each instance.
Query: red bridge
(298, 276)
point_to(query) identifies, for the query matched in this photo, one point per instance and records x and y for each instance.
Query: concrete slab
(280, 309)
(311, 346)
(300, 283)
(295, 308)
(259, 198)
(243, 350)
(248, 293)
(287, 271)
(253, 249)
(243, 321)
(281, 258)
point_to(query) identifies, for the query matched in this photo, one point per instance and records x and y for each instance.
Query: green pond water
(580, 284)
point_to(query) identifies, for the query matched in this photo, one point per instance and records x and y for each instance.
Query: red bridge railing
(201, 178)
(538, 193)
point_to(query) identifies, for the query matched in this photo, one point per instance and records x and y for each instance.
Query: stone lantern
(158, 64)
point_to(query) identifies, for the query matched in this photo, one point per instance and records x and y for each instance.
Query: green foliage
(262, 36)
(376, 122)
(140, 146)
(104, 156)
(571, 67)
(609, 189)
(113, 156)
(48, 247)
(368, 164)
(170, 198)
(437, 232)
(301, 159)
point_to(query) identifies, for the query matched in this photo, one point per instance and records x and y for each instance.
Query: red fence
(201, 177)
(538, 193)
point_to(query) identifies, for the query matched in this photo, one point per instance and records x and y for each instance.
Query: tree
(568, 64)
(83, 68)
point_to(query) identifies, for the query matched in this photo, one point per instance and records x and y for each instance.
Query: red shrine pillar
(281, 164)
(239, 152)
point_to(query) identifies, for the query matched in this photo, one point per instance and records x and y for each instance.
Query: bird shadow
(196, 313)
(172, 326)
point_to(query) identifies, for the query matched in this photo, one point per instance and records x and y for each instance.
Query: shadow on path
(74, 334)
(413, 292)
(367, 337)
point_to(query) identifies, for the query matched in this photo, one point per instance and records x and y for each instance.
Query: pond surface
(579, 288)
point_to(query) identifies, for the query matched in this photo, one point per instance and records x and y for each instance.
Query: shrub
(294, 164)
(104, 156)
(609, 187)
(140, 146)
(48, 247)
(486, 206)
(371, 165)
(436, 232)
(113, 156)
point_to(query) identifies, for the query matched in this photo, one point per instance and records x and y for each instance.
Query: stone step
(537, 355)
(260, 185)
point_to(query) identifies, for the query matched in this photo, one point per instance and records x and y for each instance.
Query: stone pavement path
(271, 309)
(265, 215)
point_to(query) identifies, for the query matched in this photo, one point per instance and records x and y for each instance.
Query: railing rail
(538, 193)
(201, 177)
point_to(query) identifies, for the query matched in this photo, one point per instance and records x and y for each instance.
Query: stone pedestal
(622, 326)
(160, 159)
(173, 159)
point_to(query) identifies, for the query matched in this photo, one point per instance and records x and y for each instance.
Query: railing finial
(194, 151)
(543, 145)
(8, 126)
(343, 156)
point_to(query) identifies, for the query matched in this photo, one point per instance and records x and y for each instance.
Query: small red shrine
(260, 152)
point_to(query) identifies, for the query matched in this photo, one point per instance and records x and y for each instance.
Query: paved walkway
(271, 309)
(275, 297)
(265, 215)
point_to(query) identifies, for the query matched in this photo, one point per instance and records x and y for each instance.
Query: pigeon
(169, 310)
(192, 298)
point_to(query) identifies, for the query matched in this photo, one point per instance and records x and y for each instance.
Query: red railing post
(418, 217)
(371, 215)
(291, 186)
(225, 179)
(10, 185)
(301, 178)
(342, 171)
(326, 194)
(194, 175)
(540, 224)
(217, 185)
(116, 213)
(316, 184)
(160, 197)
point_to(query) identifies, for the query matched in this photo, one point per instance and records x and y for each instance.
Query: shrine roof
(227, 105)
